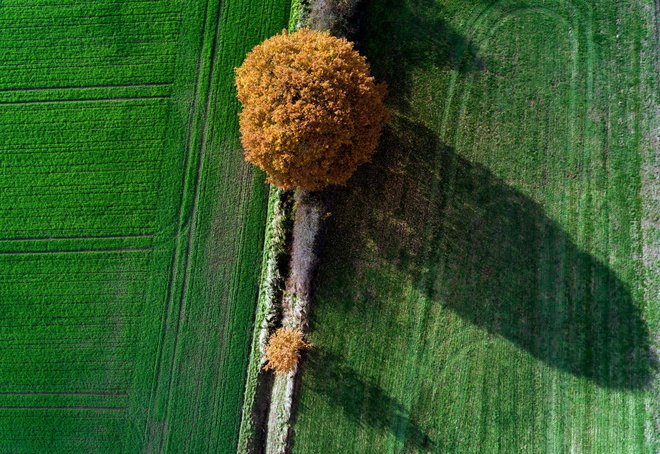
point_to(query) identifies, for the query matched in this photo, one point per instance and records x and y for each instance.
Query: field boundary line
(83, 100)
(76, 238)
(64, 393)
(61, 407)
(87, 87)
(75, 251)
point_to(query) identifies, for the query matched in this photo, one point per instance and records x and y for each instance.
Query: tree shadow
(414, 36)
(490, 254)
(364, 402)
(468, 240)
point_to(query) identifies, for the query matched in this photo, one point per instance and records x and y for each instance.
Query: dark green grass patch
(130, 227)
(487, 283)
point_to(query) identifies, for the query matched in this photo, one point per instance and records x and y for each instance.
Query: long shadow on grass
(361, 400)
(489, 253)
(412, 35)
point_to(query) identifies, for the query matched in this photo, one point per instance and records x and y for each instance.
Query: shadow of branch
(361, 400)
(414, 37)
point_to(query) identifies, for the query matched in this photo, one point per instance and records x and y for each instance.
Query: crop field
(489, 283)
(130, 228)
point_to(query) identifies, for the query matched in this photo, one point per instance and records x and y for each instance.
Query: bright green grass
(489, 283)
(130, 228)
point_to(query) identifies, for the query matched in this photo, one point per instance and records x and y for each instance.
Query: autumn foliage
(283, 350)
(312, 113)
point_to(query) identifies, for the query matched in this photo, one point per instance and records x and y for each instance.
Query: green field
(489, 283)
(130, 228)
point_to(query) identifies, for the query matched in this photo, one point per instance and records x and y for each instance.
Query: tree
(312, 112)
(283, 350)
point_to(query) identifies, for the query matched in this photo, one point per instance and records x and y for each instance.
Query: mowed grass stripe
(63, 184)
(89, 430)
(87, 51)
(89, 360)
(161, 382)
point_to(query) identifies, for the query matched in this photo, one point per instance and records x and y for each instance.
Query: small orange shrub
(312, 113)
(283, 350)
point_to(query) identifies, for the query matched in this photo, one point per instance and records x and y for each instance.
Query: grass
(131, 228)
(489, 283)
